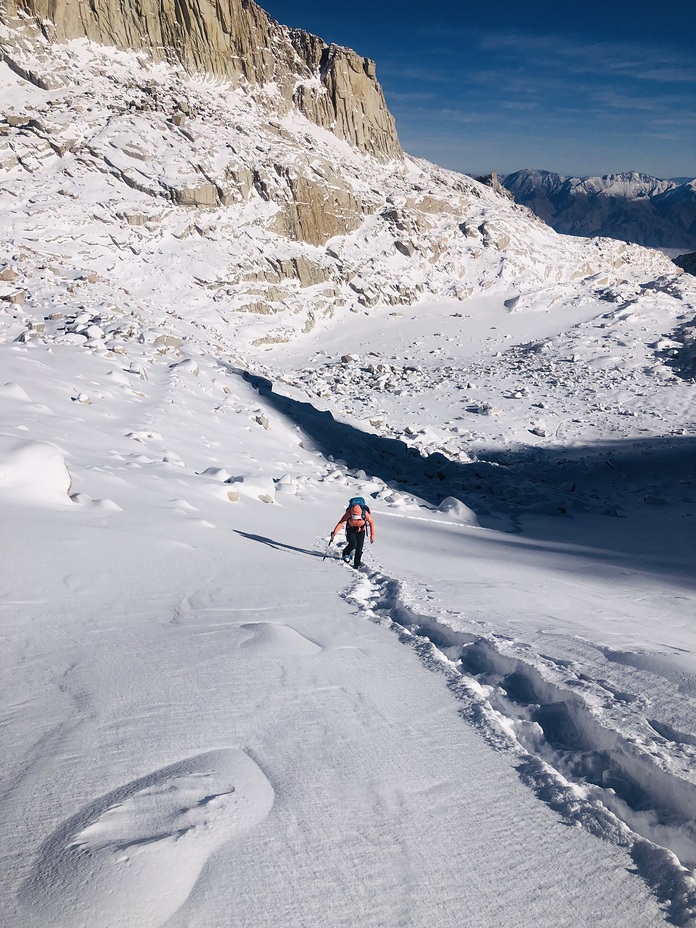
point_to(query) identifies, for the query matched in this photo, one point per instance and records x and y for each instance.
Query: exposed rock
(300, 268)
(8, 159)
(352, 108)
(493, 181)
(433, 205)
(408, 220)
(169, 341)
(14, 296)
(204, 195)
(406, 248)
(16, 121)
(493, 236)
(243, 180)
(262, 309)
(687, 263)
(314, 211)
(270, 340)
(237, 40)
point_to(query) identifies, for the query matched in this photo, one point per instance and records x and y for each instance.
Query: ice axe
(326, 553)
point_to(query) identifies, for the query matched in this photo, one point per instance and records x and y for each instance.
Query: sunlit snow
(207, 719)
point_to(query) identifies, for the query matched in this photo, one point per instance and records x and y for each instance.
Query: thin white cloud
(675, 75)
(627, 59)
(519, 105)
(414, 97)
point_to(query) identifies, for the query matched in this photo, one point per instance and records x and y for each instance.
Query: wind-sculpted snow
(278, 640)
(33, 470)
(134, 854)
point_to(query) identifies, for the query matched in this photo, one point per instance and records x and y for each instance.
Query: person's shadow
(278, 545)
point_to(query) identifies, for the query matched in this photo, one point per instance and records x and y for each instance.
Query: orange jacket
(353, 517)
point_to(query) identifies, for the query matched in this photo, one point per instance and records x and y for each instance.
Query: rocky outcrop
(347, 103)
(237, 40)
(493, 181)
(687, 263)
(314, 210)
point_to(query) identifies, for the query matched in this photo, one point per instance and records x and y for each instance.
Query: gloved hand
(331, 538)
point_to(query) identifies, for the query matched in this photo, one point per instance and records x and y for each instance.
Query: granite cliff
(234, 39)
(265, 199)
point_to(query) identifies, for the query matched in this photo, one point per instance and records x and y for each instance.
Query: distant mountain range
(632, 207)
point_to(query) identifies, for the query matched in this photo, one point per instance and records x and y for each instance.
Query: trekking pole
(326, 553)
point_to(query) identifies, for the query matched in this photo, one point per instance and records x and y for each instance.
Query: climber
(357, 518)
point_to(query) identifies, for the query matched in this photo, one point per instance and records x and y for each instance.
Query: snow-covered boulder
(33, 471)
(459, 510)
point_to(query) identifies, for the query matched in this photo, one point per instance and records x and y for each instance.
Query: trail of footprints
(593, 775)
(133, 855)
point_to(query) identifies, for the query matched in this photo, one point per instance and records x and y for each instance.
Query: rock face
(632, 207)
(493, 181)
(687, 263)
(237, 40)
(314, 210)
(350, 106)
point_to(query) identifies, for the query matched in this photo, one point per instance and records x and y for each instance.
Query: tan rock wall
(235, 39)
(314, 212)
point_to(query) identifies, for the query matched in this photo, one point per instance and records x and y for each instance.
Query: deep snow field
(207, 723)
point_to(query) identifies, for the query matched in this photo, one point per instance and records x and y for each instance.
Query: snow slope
(204, 721)
(184, 736)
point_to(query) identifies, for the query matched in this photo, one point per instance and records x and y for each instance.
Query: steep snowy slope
(198, 727)
(218, 321)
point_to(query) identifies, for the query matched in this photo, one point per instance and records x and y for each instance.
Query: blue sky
(584, 88)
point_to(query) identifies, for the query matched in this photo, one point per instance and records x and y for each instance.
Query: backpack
(358, 501)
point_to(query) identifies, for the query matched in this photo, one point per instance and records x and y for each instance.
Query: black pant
(356, 541)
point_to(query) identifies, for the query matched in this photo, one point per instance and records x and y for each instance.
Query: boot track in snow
(593, 776)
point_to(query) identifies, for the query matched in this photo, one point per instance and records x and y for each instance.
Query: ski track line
(593, 776)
